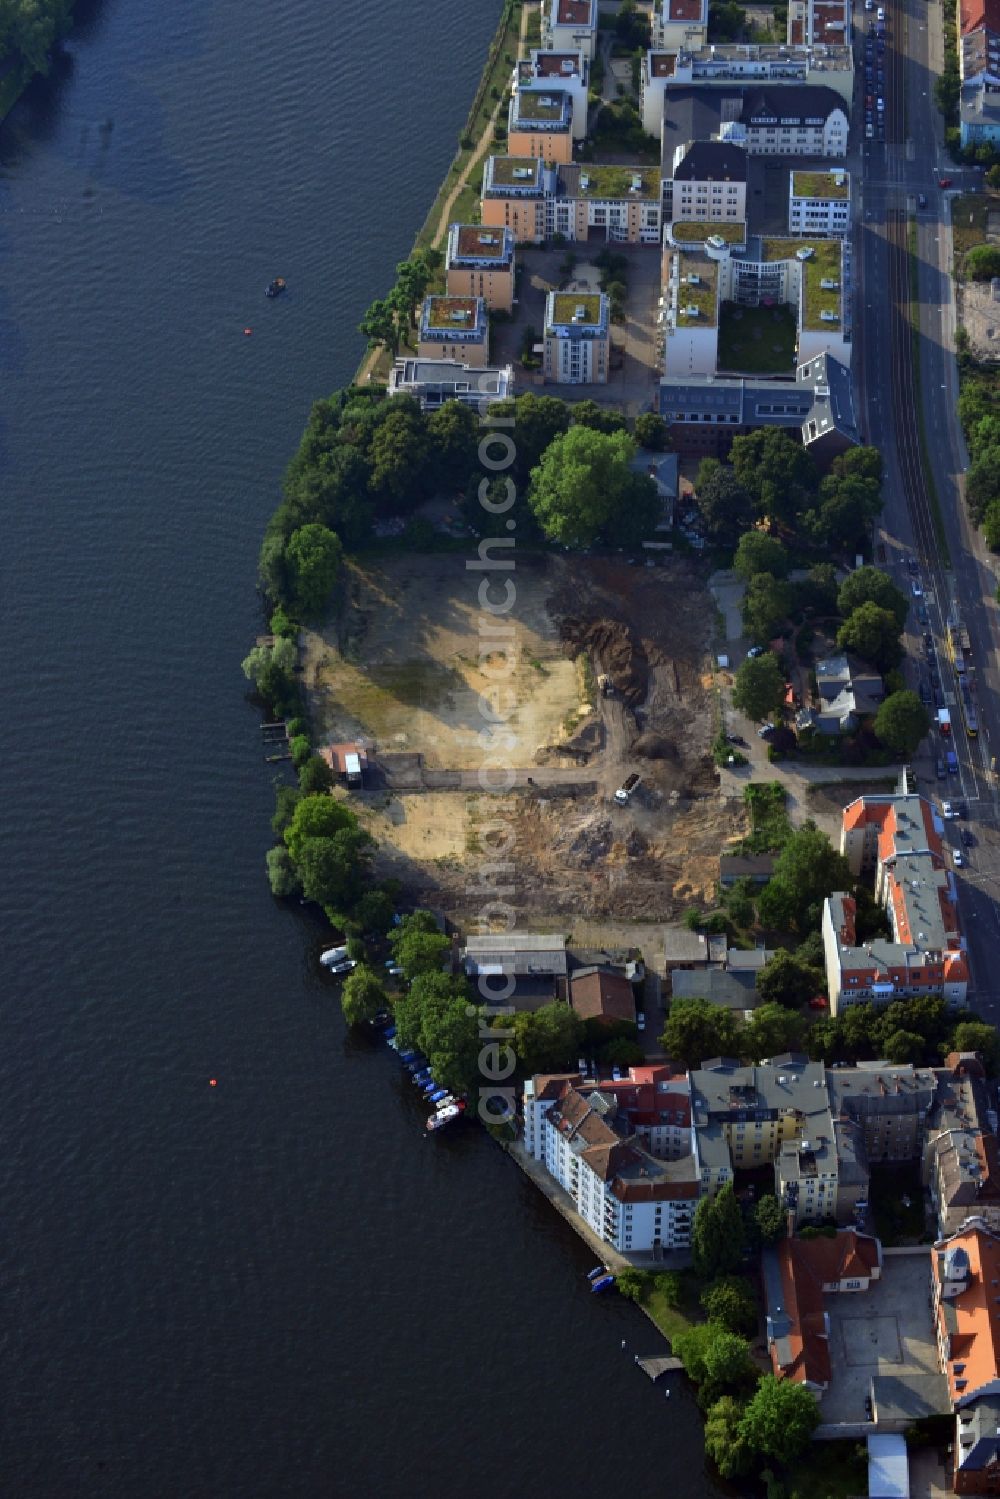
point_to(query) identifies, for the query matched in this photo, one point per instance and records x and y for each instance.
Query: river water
(277, 1286)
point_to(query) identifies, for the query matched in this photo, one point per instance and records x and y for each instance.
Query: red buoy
(212, 1082)
(247, 332)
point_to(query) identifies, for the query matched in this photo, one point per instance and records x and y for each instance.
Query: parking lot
(885, 1330)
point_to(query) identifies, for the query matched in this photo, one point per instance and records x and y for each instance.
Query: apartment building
(819, 203)
(570, 26)
(772, 119)
(819, 23)
(454, 328)
(516, 193)
(679, 23)
(567, 71)
(960, 1161)
(900, 838)
(576, 338)
(432, 382)
(890, 1105)
(540, 124)
(479, 262)
(721, 65)
(634, 1201)
(692, 298)
(965, 1298)
(709, 183)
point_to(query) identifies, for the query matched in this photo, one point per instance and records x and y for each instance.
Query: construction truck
(625, 790)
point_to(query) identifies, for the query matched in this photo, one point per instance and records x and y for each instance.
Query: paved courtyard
(886, 1330)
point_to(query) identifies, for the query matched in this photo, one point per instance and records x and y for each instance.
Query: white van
(880, 14)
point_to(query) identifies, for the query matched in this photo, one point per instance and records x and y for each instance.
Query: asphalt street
(893, 174)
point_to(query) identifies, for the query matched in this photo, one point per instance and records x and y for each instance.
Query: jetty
(659, 1365)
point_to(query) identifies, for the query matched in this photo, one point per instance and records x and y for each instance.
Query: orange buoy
(212, 1082)
(247, 332)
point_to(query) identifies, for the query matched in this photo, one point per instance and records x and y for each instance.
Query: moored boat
(603, 1284)
(597, 1272)
(275, 287)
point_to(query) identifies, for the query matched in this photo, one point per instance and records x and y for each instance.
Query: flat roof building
(479, 262)
(540, 123)
(454, 328)
(433, 382)
(577, 338)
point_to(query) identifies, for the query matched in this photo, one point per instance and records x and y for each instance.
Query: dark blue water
(278, 1286)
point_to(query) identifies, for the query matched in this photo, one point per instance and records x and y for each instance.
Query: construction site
(609, 804)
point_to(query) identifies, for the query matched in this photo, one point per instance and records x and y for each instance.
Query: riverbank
(456, 199)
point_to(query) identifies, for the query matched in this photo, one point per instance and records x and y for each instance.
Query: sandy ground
(402, 670)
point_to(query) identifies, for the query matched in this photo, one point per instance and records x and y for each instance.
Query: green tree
(725, 506)
(362, 995)
(902, 721)
(286, 799)
(991, 525)
(547, 1039)
(418, 945)
(537, 422)
(584, 490)
(313, 557)
(729, 1301)
(412, 280)
(331, 869)
(271, 668)
(716, 1360)
(598, 418)
(374, 911)
(975, 1035)
(301, 749)
(316, 817)
(454, 433)
(819, 594)
(717, 1234)
(811, 869)
(633, 1284)
(697, 1030)
(759, 688)
(982, 262)
(400, 457)
(873, 634)
(902, 1047)
(993, 178)
(379, 326)
(760, 553)
(780, 1419)
(770, 1031)
(779, 474)
(652, 432)
(767, 603)
(281, 873)
(869, 585)
(770, 1218)
(315, 776)
(723, 1442)
(786, 980)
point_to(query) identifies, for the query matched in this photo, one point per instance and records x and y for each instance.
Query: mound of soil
(616, 650)
(655, 747)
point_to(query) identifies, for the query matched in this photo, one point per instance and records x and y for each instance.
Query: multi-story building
(516, 193)
(705, 412)
(960, 1163)
(965, 1277)
(567, 71)
(819, 203)
(454, 328)
(577, 338)
(720, 66)
(691, 295)
(772, 119)
(798, 1274)
(758, 1112)
(479, 262)
(819, 23)
(570, 26)
(709, 183)
(636, 1202)
(434, 381)
(900, 838)
(540, 123)
(679, 23)
(890, 1105)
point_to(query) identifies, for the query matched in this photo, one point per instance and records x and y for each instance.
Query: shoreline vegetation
(29, 31)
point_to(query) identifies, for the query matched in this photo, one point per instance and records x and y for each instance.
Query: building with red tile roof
(798, 1274)
(965, 1287)
(814, 23)
(570, 26)
(601, 994)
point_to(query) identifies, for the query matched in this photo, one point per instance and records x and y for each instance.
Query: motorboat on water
(332, 956)
(443, 1116)
(275, 287)
(597, 1272)
(604, 1283)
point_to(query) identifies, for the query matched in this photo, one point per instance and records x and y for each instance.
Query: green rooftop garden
(531, 104)
(757, 340)
(616, 182)
(506, 169)
(564, 305)
(700, 295)
(687, 233)
(820, 184)
(443, 312)
(822, 265)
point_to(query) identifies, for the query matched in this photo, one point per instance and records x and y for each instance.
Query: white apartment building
(570, 26)
(566, 71)
(709, 182)
(691, 311)
(631, 1200)
(819, 203)
(679, 23)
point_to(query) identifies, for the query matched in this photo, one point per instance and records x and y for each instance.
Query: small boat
(407, 1056)
(275, 287)
(603, 1284)
(333, 955)
(347, 966)
(383, 1019)
(390, 1032)
(438, 1121)
(448, 1111)
(440, 1095)
(417, 1063)
(597, 1272)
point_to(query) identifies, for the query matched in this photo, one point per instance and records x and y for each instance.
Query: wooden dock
(661, 1364)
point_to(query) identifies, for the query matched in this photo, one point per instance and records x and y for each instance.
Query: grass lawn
(769, 824)
(673, 1320)
(829, 1470)
(968, 223)
(758, 340)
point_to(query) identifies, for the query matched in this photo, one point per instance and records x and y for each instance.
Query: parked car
(967, 838)
(947, 810)
(916, 589)
(925, 694)
(941, 772)
(640, 1021)
(928, 641)
(765, 731)
(958, 858)
(944, 182)
(754, 652)
(921, 200)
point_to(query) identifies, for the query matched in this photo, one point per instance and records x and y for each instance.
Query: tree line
(29, 29)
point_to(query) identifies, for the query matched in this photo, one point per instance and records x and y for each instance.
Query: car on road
(880, 104)
(938, 697)
(755, 651)
(916, 589)
(765, 731)
(967, 838)
(922, 614)
(947, 810)
(958, 858)
(736, 739)
(921, 200)
(616, 1074)
(944, 182)
(941, 772)
(640, 1021)
(928, 641)
(912, 564)
(925, 693)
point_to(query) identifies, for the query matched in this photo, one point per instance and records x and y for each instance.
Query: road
(899, 369)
